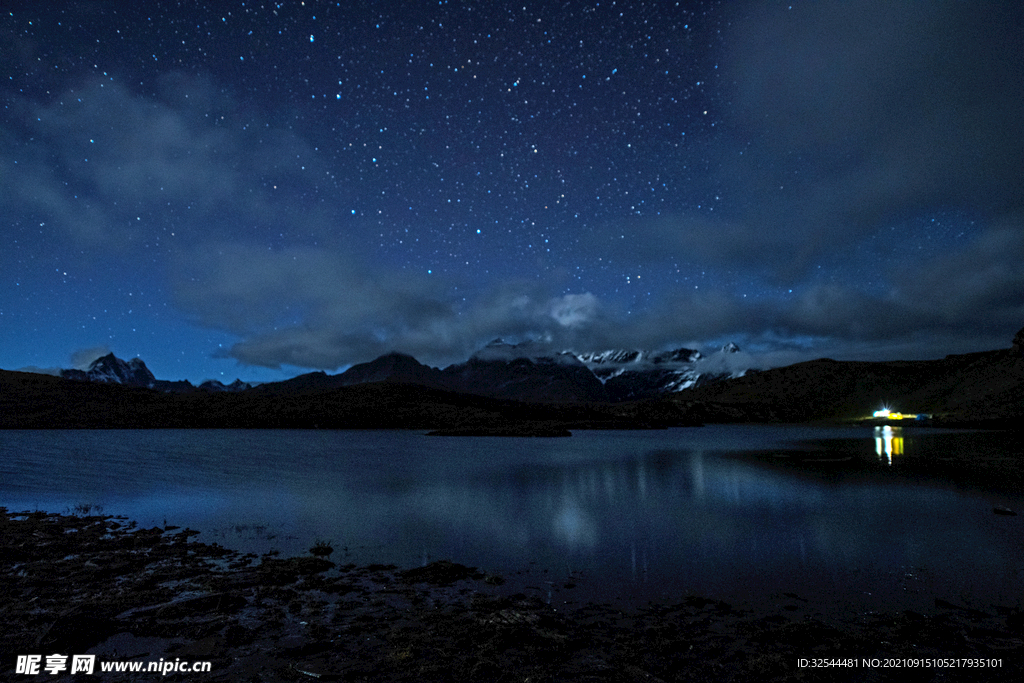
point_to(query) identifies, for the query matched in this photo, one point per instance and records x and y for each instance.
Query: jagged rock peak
(1018, 341)
(393, 360)
(680, 355)
(621, 357)
(217, 385)
(110, 368)
(610, 356)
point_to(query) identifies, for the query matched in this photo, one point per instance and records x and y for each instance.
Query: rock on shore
(89, 584)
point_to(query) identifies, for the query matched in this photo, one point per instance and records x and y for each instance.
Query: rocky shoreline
(90, 584)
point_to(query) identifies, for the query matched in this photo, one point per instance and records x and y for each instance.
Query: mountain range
(133, 373)
(522, 372)
(528, 372)
(513, 389)
(973, 389)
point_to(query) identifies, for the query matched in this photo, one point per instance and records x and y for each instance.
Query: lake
(611, 516)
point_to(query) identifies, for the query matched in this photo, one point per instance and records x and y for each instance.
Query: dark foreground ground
(77, 584)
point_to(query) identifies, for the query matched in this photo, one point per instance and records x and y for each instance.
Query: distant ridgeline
(134, 373)
(509, 389)
(979, 389)
(499, 370)
(524, 372)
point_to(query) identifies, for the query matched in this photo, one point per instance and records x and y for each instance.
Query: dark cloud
(862, 113)
(310, 307)
(319, 308)
(980, 286)
(109, 167)
(80, 360)
(833, 124)
(326, 305)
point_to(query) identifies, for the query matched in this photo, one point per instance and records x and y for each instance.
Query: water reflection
(641, 514)
(888, 442)
(652, 518)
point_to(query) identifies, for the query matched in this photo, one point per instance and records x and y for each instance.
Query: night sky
(259, 189)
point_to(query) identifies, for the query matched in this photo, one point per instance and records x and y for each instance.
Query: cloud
(83, 358)
(232, 206)
(318, 308)
(110, 168)
(80, 360)
(40, 371)
(853, 115)
(849, 115)
(729, 363)
(695, 239)
(306, 306)
(980, 286)
(574, 310)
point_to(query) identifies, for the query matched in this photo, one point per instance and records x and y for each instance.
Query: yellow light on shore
(888, 414)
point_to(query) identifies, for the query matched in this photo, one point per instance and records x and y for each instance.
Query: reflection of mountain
(577, 507)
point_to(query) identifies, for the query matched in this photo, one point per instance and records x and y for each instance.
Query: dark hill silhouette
(977, 388)
(525, 379)
(393, 367)
(31, 401)
(984, 388)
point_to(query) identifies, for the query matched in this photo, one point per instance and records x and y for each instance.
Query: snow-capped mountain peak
(534, 351)
(626, 373)
(111, 369)
(611, 356)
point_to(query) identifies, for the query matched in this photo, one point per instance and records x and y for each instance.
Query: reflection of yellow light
(888, 442)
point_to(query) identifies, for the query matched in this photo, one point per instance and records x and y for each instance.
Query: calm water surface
(623, 515)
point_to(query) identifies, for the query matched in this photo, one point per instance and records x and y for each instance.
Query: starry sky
(259, 189)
